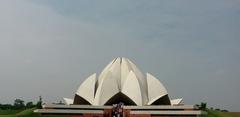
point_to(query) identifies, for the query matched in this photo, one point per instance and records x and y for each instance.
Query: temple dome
(121, 81)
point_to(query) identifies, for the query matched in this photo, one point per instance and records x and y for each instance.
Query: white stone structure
(122, 81)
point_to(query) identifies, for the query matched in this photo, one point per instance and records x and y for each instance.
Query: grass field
(9, 111)
(29, 113)
(213, 113)
(25, 113)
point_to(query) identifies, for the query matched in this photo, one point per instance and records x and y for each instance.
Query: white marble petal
(142, 81)
(115, 69)
(106, 89)
(104, 72)
(68, 101)
(125, 69)
(176, 101)
(87, 88)
(155, 89)
(131, 88)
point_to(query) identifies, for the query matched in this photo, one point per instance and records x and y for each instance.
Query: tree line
(203, 106)
(20, 104)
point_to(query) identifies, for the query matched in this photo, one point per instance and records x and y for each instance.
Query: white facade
(122, 78)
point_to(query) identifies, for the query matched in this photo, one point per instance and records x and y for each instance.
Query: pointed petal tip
(68, 101)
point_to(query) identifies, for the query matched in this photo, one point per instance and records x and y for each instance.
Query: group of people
(117, 110)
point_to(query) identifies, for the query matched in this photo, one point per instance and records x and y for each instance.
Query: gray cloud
(48, 47)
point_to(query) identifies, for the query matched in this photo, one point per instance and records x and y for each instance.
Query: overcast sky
(48, 48)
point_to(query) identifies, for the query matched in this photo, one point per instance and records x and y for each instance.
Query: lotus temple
(121, 90)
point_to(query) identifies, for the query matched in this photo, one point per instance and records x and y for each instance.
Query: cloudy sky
(48, 48)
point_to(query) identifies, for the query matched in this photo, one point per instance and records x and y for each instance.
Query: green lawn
(213, 113)
(25, 113)
(9, 111)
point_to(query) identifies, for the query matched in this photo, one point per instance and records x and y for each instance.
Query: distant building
(121, 90)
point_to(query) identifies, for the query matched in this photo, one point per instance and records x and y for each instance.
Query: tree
(203, 106)
(19, 104)
(225, 111)
(6, 106)
(29, 105)
(39, 103)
